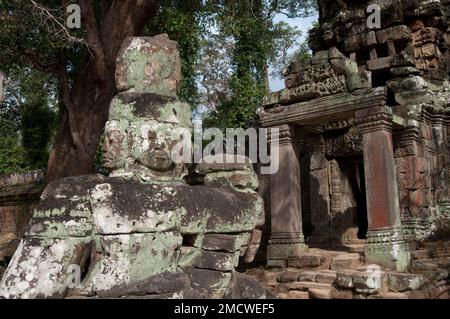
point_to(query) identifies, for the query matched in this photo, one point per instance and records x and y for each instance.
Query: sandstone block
(221, 242)
(326, 277)
(371, 282)
(389, 295)
(305, 261)
(307, 276)
(399, 282)
(315, 293)
(288, 276)
(205, 278)
(341, 294)
(345, 261)
(214, 260)
(299, 295)
(149, 65)
(344, 278)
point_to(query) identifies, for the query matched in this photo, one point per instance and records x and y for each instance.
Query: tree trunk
(91, 100)
(87, 100)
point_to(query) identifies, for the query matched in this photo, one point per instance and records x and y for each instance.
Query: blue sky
(304, 24)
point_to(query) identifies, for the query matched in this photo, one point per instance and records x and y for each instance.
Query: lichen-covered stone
(39, 268)
(399, 282)
(220, 242)
(149, 65)
(142, 232)
(370, 282)
(223, 163)
(239, 180)
(246, 287)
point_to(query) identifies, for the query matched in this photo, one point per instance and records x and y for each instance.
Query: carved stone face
(142, 148)
(154, 147)
(114, 149)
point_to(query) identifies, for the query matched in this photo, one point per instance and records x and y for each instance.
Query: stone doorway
(348, 211)
(334, 201)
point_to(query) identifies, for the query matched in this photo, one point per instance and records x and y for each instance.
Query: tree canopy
(226, 48)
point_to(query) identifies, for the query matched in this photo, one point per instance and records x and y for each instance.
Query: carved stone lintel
(388, 248)
(375, 122)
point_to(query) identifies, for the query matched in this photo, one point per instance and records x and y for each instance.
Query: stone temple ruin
(365, 136)
(359, 208)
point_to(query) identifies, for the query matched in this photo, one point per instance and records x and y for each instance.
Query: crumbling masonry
(365, 135)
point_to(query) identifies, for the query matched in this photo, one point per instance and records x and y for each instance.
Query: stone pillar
(286, 239)
(385, 241)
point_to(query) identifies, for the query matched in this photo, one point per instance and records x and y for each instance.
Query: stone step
(346, 261)
(341, 294)
(326, 277)
(288, 276)
(389, 295)
(309, 276)
(309, 261)
(295, 294)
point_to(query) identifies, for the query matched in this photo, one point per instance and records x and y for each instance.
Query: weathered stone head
(133, 236)
(145, 121)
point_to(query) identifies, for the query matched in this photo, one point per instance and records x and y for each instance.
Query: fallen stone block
(316, 293)
(341, 294)
(399, 282)
(344, 279)
(441, 274)
(371, 282)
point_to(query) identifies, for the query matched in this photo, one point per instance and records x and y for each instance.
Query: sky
(277, 84)
(304, 24)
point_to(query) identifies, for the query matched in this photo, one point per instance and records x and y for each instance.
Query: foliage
(182, 21)
(258, 41)
(28, 120)
(12, 157)
(237, 38)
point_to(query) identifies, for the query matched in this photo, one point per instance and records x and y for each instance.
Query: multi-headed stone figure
(142, 231)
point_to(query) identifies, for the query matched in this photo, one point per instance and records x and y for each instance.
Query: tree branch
(53, 23)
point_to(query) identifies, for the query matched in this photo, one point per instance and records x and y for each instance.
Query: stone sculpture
(142, 231)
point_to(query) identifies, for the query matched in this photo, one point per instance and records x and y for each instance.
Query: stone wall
(18, 195)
